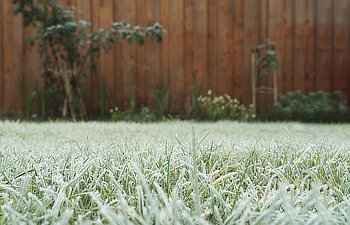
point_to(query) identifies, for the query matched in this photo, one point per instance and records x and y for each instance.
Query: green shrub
(215, 108)
(315, 107)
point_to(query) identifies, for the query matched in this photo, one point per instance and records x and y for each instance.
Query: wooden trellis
(254, 74)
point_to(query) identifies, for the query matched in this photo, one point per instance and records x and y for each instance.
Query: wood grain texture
(142, 67)
(118, 59)
(127, 12)
(263, 20)
(276, 35)
(310, 60)
(152, 10)
(107, 63)
(164, 48)
(341, 45)
(95, 20)
(250, 41)
(324, 45)
(209, 38)
(176, 55)
(12, 60)
(200, 30)
(300, 40)
(288, 45)
(212, 45)
(237, 63)
(225, 56)
(189, 43)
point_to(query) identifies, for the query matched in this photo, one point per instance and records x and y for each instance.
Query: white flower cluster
(114, 110)
(222, 107)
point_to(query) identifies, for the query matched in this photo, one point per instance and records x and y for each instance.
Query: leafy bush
(315, 107)
(220, 108)
(66, 45)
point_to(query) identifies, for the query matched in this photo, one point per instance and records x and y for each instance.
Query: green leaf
(271, 53)
(141, 42)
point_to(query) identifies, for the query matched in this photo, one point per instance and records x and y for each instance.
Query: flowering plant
(224, 107)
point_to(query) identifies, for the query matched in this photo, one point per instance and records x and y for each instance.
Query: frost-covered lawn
(224, 173)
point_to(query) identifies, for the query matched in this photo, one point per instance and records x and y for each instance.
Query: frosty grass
(174, 173)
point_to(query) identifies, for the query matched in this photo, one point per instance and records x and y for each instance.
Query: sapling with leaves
(269, 60)
(269, 64)
(66, 44)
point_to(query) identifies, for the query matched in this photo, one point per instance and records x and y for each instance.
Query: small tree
(66, 45)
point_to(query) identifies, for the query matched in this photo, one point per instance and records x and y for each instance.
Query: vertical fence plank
(263, 20)
(152, 52)
(164, 59)
(212, 45)
(341, 46)
(237, 62)
(176, 49)
(12, 59)
(142, 67)
(238, 6)
(96, 76)
(288, 45)
(200, 41)
(276, 35)
(225, 36)
(189, 47)
(324, 45)
(107, 65)
(300, 45)
(251, 20)
(264, 100)
(310, 72)
(127, 11)
(118, 58)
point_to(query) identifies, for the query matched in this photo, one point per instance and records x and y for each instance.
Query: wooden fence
(209, 38)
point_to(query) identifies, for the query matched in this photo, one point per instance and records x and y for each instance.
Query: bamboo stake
(68, 90)
(253, 76)
(275, 89)
(82, 108)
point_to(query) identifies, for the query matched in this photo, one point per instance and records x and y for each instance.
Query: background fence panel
(207, 39)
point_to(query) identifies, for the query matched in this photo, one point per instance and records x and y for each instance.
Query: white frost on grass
(121, 173)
